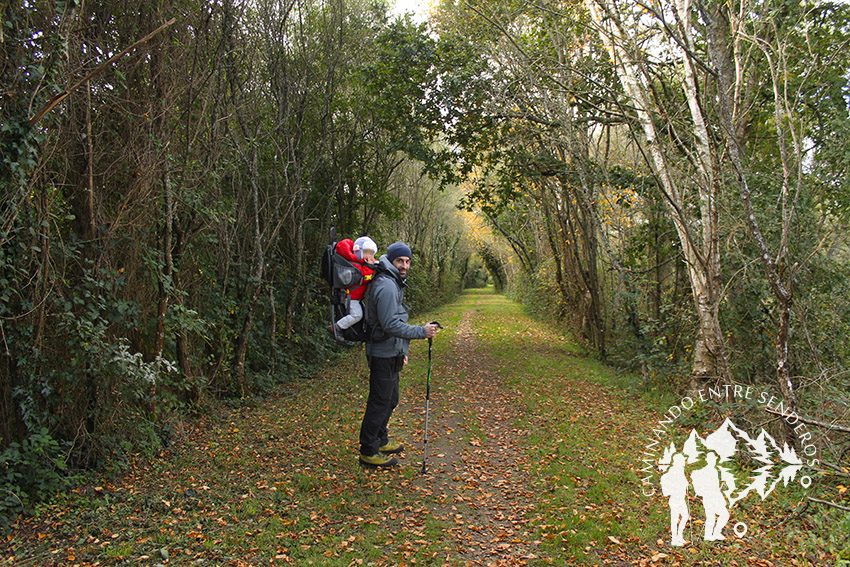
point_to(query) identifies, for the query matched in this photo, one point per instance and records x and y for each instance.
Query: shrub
(30, 471)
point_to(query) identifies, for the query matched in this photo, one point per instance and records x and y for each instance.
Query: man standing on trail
(707, 484)
(387, 354)
(674, 484)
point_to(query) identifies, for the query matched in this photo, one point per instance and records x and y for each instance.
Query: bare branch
(678, 40)
(828, 503)
(64, 94)
(830, 426)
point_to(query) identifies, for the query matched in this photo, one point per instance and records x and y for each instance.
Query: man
(674, 484)
(707, 484)
(387, 354)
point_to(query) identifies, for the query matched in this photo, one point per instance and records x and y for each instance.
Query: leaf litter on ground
(532, 459)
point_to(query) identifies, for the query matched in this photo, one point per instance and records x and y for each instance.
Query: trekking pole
(331, 243)
(428, 399)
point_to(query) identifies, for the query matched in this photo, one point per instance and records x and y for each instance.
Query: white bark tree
(725, 55)
(682, 159)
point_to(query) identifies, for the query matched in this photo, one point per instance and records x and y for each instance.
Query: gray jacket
(386, 305)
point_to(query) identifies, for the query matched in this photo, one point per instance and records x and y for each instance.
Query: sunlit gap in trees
(418, 9)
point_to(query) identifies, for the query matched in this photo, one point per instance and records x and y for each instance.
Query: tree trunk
(259, 271)
(710, 362)
(273, 327)
(90, 165)
(723, 57)
(165, 283)
(556, 245)
(180, 336)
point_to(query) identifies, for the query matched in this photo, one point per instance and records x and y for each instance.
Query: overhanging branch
(64, 94)
(830, 426)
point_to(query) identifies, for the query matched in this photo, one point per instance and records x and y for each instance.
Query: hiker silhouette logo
(715, 483)
(721, 468)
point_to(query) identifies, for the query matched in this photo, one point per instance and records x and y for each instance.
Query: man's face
(402, 264)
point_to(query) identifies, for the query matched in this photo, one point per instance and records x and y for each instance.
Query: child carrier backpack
(343, 276)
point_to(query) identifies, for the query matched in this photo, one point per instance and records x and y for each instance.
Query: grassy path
(533, 458)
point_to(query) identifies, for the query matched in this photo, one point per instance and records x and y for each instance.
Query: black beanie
(397, 249)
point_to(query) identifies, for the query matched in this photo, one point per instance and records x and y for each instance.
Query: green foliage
(30, 471)
(397, 77)
(168, 216)
(494, 266)
(537, 294)
(128, 260)
(561, 176)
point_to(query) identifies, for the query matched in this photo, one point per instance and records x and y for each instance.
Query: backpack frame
(342, 276)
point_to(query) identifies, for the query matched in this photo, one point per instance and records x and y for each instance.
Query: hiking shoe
(391, 447)
(378, 460)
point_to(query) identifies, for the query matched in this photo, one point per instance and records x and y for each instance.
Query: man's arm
(386, 303)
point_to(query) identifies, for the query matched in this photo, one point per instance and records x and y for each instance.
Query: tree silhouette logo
(723, 467)
(715, 483)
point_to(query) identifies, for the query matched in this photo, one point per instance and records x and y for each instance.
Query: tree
(719, 50)
(169, 173)
(682, 159)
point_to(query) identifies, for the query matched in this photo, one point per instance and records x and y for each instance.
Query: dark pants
(383, 399)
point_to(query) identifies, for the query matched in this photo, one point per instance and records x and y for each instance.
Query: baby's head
(365, 249)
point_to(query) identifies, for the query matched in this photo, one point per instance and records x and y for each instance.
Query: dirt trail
(477, 468)
(276, 482)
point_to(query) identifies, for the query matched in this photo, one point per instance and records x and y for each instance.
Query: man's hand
(431, 330)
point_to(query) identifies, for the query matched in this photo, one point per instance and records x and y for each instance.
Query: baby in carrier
(361, 253)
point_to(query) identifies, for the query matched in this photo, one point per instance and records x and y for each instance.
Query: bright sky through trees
(419, 8)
